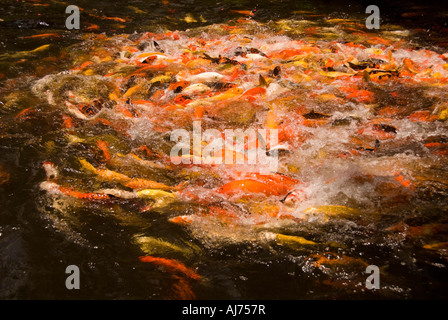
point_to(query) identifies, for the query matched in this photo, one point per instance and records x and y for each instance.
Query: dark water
(35, 253)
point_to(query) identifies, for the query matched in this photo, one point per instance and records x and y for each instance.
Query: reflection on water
(86, 179)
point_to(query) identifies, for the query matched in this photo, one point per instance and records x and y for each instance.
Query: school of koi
(361, 135)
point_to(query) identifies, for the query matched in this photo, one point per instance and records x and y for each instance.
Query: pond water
(360, 149)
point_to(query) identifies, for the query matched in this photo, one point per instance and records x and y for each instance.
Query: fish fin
(262, 81)
(366, 77)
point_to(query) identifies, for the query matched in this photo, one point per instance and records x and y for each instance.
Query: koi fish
(108, 18)
(182, 220)
(332, 260)
(139, 183)
(105, 174)
(437, 246)
(274, 178)
(151, 246)
(204, 77)
(172, 266)
(380, 131)
(410, 65)
(238, 77)
(26, 114)
(250, 186)
(326, 212)
(161, 198)
(117, 193)
(42, 35)
(56, 189)
(243, 12)
(196, 89)
(137, 10)
(104, 147)
(133, 183)
(24, 54)
(40, 49)
(294, 197)
(290, 241)
(83, 111)
(92, 27)
(429, 229)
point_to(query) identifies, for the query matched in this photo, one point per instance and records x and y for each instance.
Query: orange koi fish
(178, 86)
(171, 266)
(402, 180)
(362, 96)
(82, 195)
(199, 112)
(128, 111)
(67, 121)
(244, 12)
(141, 101)
(104, 147)
(275, 178)
(419, 231)
(254, 92)
(149, 152)
(70, 192)
(410, 65)
(139, 183)
(42, 35)
(182, 220)
(422, 115)
(83, 66)
(92, 27)
(108, 18)
(25, 114)
(250, 186)
(286, 54)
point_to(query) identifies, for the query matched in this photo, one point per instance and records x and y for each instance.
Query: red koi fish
(171, 266)
(26, 114)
